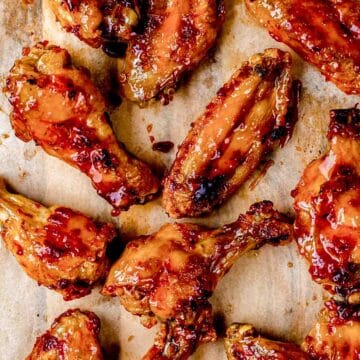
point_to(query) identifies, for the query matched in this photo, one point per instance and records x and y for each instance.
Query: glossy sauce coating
(169, 276)
(242, 342)
(325, 33)
(246, 120)
(58, 106)
(97, 21)
(58, 247)
(336, 334)
(74, 335)
(177, 36)
(327, 204)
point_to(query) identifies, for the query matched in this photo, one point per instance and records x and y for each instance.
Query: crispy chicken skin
(242, 342)
(245, 121)
(58, 106)
(74, 335)
(327, 205)
(324, 32)
(58, 247)
(169, 276)
(97, 21)
(334, 336)
(177, 36)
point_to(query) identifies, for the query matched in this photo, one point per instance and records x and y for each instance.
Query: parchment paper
(269, 288)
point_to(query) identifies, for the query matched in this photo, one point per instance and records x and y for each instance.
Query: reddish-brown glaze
(246, 120)
(324, 32)
(74, 335)
(336, 334)
(58, 106)
(327, 204)
(177, 36)
(97, 22)
(169, 276)
(58, 247)
(242, 342)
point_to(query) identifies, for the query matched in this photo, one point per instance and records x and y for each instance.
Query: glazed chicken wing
(327, 204)
(334, 336)
(58, 247)
(58, 106)
(97, 21)
(246, 119)
(178, 35)
(242, 342)
(325, 33)
(169, 276)
(74, 335)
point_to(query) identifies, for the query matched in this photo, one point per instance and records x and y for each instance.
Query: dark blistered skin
(336, 334)
(246, 120)
(324, 32)
(327, 204)
(59, 107)
(97, 21)
(177, 37)
(74, 335)
(58, 247)
(169, 276)
(242, 342)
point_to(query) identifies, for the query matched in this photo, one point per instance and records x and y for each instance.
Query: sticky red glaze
(50, 342)
(327, 203)
(324, 32)
(60, 239)
(65, 114)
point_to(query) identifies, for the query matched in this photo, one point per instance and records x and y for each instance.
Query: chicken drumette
(325, 33)
(169, 276)
(58, 106)
(327, 204)
(58, 247)
(177, 36)
(334, 336)
(97, 22)
(74, 335)
(250, 115)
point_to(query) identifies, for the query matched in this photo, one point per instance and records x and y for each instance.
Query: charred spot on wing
(261, 70)
(209, 189)
(115, 49)
(345, 123)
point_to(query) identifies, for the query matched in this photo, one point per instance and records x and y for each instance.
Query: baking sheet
(269, 288)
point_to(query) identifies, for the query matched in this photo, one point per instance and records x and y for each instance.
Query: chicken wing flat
(325, 33)
(74, 335)
(327, 205)
(242, 342)
(246, 119)
(178, 35)
(59, 107)
(169, 276)
(334, 336)
(97, 21)
(58, 247)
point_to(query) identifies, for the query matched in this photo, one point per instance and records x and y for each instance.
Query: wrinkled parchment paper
(269, 288)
